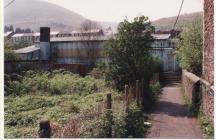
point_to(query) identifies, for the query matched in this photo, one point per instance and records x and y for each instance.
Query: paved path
(170, 118)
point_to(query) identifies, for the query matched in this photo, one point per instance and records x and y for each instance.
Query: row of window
(163, 44)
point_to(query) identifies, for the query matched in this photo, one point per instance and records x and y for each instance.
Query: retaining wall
(198, 90)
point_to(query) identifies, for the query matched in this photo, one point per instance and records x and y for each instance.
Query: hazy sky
(116, 10)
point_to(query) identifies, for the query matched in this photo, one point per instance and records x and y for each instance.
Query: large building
(86, 47)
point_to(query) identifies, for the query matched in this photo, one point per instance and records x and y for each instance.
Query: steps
(171, 77)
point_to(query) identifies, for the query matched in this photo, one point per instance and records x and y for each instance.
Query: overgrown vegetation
(124, 125)
(9, 53)
(190, 47)
(74, 105)
(206, 126)
(56, 96)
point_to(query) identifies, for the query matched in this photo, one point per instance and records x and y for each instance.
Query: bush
(155, 91)
(190, 47)
(207, 127)
(135, 122)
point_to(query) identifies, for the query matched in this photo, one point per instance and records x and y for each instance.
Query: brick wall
(198, 90)
(208, 48)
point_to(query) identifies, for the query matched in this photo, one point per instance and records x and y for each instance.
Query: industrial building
(77, 48)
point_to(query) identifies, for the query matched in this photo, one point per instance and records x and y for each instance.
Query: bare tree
(90, 33)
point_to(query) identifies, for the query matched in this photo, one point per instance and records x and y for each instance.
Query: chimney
(45, 43)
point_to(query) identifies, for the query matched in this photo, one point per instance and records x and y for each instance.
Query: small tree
(190, 47)
(128, 52)
(9, 53)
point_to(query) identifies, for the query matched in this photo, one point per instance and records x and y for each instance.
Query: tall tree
(11, 28)
(190, 47)
(128, 52)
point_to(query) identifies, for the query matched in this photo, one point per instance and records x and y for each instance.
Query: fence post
(109, 116)
(142, 91)
(126, 98)
(137, 91)
(109, 101)
(44, 129)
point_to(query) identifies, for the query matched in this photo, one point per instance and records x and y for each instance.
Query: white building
(164, 48)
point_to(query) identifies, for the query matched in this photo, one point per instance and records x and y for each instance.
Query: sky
(117, 10)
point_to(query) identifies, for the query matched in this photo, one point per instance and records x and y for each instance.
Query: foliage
(17, 30)
(55, 83)
(124, 125)
(134, 122)
(155, 91)
(190, 47)
(206, 126)
(57, 95)
(8, 29)
(128, 53)
(74, 103)
(100, 69)
(9, 53)
(23, 44)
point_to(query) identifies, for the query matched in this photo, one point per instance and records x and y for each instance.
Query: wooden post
(109, 101)
(137, 91)
(126, 91)
(142, 91)
(127, 98)
(44, 129)
(109, 116)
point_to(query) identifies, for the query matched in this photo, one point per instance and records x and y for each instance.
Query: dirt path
(170, 118)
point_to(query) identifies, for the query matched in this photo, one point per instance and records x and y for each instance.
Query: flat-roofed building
(29, 53)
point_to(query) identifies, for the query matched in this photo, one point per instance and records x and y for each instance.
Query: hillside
(36, 13)
(167, 23)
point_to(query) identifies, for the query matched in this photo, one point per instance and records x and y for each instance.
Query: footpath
(170, 118)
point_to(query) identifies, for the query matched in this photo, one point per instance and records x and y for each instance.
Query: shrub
(155, 91)
(190, 47)
(206, 126)
(134, 122)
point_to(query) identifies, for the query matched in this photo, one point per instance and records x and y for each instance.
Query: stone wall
(208, 48)
(198, 90)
